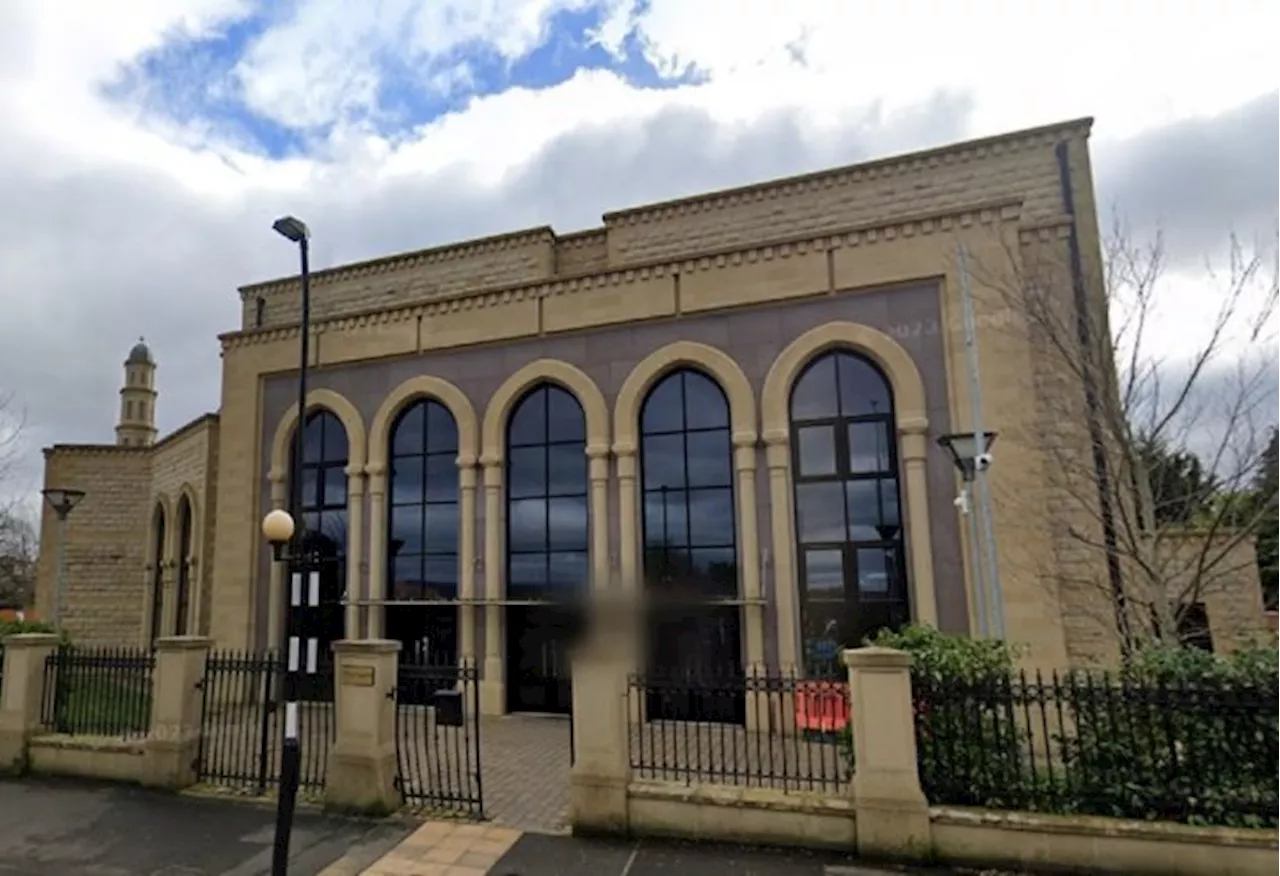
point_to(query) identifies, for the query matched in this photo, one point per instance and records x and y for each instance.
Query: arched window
(183, 559)
(157, 573)
(422, 549)
(690, 538)
(324, 518)
(848, 523)
(547, 538)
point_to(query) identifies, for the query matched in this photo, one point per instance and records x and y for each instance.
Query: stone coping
(1099, 825)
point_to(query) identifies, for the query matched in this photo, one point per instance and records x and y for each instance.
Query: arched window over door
(157, 572)
(848, 521)
(324, 519)
(547, 539)
(183, 559)
(422, 535)
(690, 533)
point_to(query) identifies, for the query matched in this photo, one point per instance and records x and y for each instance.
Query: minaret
(137, 426)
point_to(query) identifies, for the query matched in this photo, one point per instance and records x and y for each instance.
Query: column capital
(466, 461)
(746, 438)
(598, 451)
(276, 477)
(376, 469)
(624, 449)
(490, 460)
(354, 471)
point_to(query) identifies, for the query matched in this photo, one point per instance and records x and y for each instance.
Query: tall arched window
(422, 549)
(848, 525)
(547, 538)
(324, 516)
(183, 559)
(157, 573)
(690, 538)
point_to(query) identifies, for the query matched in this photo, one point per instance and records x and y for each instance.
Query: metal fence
(768, 730)
(98, 691)
(438, 736)
(1091, 743)
(242, 725)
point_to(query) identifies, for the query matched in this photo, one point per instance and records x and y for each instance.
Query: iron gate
(438, 736)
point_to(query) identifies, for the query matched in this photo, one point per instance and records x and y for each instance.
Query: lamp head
(278, 527)
(291, 227)
(62, 499)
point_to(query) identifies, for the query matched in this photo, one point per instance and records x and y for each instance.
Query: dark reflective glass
(566, 470)
(335, 487)
(567, 570)
(567, 524)
(440, 577)
(313, 438)
(662, 461)
(526, 575)
(442, 431)
(442, 478)
(406, 528)
(824, 573)
(820, 512)
(877, 572)
(873, 509)
(406, 480)
(526, 525)
(407, 435)
(815, 396)
(565, 420)
(331, 531)
(711, 518)
(705, 406)
(406, 577)
(666, 519)
(863, 389)
(529, 420)
(310, 488)
(826, 631)
(440, 535)
(869, 447)
(715, 570)
(527, 472)
(710, 459)
(663, 409)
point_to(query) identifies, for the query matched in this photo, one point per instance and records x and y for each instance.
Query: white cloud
(114, 223)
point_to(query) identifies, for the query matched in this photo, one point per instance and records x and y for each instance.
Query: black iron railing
(98, 691)
(1088, 743)
(242, 724)
(438, 736)
(768, 730)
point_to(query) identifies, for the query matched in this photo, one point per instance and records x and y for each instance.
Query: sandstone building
(740, 392)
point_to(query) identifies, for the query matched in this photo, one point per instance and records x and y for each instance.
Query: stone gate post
(22, 695)
(173, 741)
(361, 774)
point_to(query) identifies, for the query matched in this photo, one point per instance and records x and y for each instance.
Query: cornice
(867, 234)
(899, 165)
(405, 260)
(184, 430)
(95, 450)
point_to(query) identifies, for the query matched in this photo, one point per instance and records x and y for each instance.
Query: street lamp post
(970, 453)
(280, 528)
(62, 501)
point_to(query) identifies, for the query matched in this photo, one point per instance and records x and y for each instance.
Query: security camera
(982, 461)
(962, 503)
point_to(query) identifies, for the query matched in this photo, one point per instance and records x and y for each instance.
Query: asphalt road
(72, 828)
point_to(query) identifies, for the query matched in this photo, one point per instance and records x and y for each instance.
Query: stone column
(913, 439)
(361, 774)
(601, 767)
(749, 548)
(598, 471)
(786, 595)
(492, 685)
(22, 696)
(467, 558)
(174, 738)
(892, 813)
(352, 628)
(628, 524)
(374, 616)
(169, 605)
(275, 579)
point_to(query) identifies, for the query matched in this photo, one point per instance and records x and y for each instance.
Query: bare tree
(18, 546)
(1167, 439)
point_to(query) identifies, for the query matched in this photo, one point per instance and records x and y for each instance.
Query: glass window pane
(705, 406)
(565, 420)
(529, 420)
(310, 488)
(666, 523)
(715, 572)
(869, 447)
(441, 577)
(826, 631)
(406, 530)
(567, 470)
(814, 396)
(407, 434)
(873, 510)
(526, 576)
(820, 512)
(567, 524)
(335, 487)
(862, 389)
(527, 525)
(877, 572)
(406, 577)
(710, 459)
(333, 526)
(567, 572)
(823, 573)
(662, 461)
(441, 535)
(442, 478)
(816, 449)
(442, 432)
(312, 437)
(711, 518)
(527, 472)
(406, 480)
(663, 408)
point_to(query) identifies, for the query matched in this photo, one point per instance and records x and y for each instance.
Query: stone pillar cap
(29, 640)
(875, 657)
(367, 646)
(183, 643)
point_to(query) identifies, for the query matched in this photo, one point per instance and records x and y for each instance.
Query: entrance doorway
(538, 638)
(695, 665)
(428, 644)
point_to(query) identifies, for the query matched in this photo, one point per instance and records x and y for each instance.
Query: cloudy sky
(145, 146)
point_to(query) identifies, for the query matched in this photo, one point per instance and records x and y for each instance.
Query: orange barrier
(822, 706)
